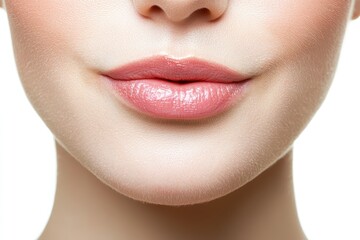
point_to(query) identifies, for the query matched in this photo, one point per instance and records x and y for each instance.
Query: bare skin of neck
(85, 208)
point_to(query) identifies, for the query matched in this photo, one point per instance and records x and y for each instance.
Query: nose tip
(180, 10)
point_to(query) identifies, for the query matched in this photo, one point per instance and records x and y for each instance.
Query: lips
(163, 87)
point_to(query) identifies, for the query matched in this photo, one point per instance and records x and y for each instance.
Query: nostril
(177, 14)
(204, 11)
(201, 13)
(147, 12)
(155, 9)
(212, 16)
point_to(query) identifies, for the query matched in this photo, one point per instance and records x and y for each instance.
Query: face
(289, 48)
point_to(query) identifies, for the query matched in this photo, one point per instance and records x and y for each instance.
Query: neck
(85, 208)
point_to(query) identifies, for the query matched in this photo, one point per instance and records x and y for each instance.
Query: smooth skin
(122, 175)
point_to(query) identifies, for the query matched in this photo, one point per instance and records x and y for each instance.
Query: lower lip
(171, 100)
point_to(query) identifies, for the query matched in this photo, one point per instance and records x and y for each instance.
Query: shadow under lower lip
(178, 100)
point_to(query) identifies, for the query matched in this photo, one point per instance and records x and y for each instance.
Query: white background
(326, 154)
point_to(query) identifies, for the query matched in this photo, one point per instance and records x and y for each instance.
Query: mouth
(163, 87)
(178, 70)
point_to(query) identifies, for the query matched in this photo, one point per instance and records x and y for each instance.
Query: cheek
(43, 24)
(38, 33)
(43, 34)
(310, 33)
(307, 24)
(289, 93)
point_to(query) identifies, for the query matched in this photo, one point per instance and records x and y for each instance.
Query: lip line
(162, 67)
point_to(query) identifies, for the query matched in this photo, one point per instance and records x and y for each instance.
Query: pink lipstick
(163, 87)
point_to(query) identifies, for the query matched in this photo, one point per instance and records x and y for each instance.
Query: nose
(179, 10)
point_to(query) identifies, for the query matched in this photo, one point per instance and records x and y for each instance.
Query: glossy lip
(188, 88)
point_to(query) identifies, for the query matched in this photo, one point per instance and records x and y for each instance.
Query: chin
(179, 183)
(179, 194)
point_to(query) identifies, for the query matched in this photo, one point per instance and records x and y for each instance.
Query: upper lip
(170, 69)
